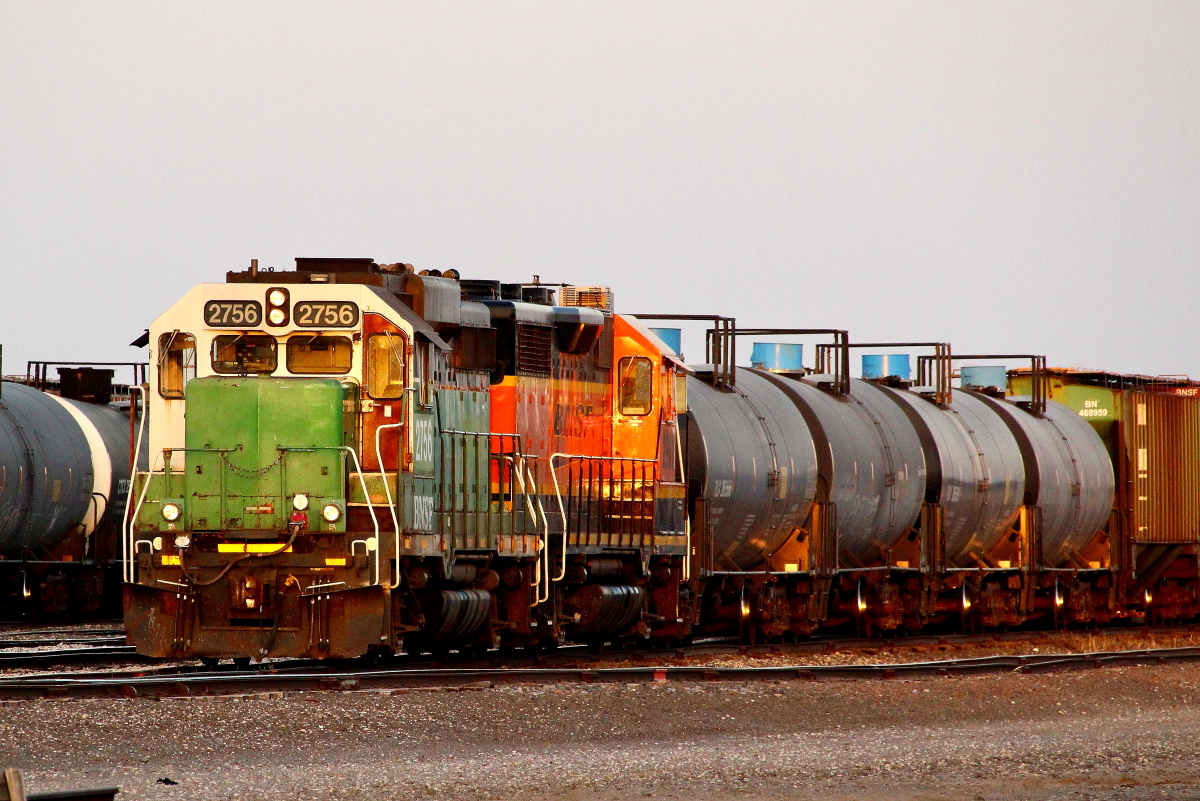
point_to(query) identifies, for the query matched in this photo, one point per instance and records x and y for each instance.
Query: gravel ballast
(1125, 733)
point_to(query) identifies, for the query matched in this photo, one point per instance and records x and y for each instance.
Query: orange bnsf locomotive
(352, 457)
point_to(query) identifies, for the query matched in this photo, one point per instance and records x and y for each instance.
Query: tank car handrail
(841, 343)
(942, 356)
(720, 343)
(1037, 373)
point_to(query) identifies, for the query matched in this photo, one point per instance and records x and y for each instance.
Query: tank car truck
(351, 457)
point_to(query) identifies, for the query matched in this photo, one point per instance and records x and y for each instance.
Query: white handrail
(126, 532)
(137, 511)
(687, 520)
(387, 487)
(518, 469)
(562, 511)
(558, 490)
(370, 506)
(545, 540)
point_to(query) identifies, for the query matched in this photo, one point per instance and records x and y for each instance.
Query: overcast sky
(1015, 176)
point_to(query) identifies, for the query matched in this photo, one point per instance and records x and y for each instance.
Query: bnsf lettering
(570, 421)
(422, 512)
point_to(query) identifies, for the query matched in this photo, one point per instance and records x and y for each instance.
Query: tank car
(64, 472)
(913, 506)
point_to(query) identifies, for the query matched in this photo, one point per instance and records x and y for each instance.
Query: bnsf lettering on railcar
(423, 512)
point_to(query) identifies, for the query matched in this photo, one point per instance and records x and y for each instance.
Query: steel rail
(383, 679)
(41, 642)
(18, 659)
(573, 654)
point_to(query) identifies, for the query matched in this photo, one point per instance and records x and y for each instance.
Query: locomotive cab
(255, 527)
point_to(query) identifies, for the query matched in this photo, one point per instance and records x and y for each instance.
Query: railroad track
(111, 648)
(271, 682)
(39, 647)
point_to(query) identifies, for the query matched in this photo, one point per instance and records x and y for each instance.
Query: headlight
(300, 502)
(183, 541)
(170, 512)
(276, 298)
(331, 512)
(276, 316)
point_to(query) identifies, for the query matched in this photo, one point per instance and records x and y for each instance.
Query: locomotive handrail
(138, 510)
(590, 458)
(387, 489)
(126, 525)
(483, 503)
(545, 536)
(370, 506)
(362, 482)
(519, 469)
(687, 520)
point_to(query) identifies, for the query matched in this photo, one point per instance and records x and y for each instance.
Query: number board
(325, 314)
(232, 313)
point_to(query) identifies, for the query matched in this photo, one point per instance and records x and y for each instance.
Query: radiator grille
(593, 297)
(533, 349)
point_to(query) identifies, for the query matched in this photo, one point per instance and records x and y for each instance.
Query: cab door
(387, 354)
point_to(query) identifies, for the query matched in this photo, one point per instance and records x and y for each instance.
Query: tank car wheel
(241, 663)
(379, 656)
(475, 651)
(210, 662)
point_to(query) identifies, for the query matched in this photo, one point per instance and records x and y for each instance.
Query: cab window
(636, 377)
(243, 354)
(176, 363)
(318, 354)
(385, 366)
